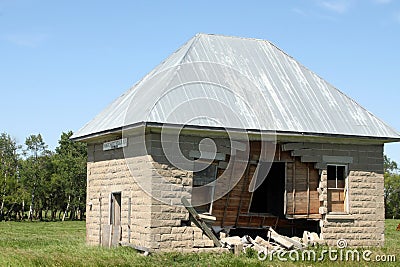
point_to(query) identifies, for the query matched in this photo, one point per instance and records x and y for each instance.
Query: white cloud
(26, 39)
(338, 6)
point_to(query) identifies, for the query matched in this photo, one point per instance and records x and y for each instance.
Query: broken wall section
(361, 222)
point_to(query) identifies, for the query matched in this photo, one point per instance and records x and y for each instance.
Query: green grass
(63, 244)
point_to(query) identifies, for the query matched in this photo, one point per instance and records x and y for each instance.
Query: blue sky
(62, 62)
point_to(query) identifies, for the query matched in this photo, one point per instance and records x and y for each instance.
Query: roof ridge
(196, 38)
(249, 39)
(232, 36)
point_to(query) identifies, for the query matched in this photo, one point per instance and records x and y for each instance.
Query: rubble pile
(275, 242)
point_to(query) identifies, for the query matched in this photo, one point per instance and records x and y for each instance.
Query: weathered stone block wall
(363, 225)
(161, 223)
(171, 229)
(108, 172)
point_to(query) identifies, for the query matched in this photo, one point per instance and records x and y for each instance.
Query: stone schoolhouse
(249, 137)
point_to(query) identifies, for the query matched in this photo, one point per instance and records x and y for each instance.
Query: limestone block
(198, 235)
(165, 245)
(161, 215)
(178, 216)
(189, 231)
(167, 237)
(198, 243)
(159, 223)
(179, 244)
(187, 236)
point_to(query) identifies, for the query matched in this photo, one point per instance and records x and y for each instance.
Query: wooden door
(115, 219)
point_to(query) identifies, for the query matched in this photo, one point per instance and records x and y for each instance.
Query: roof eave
(196, 128)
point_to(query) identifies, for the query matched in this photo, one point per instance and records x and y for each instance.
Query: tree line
(39, 184)
(392, 189)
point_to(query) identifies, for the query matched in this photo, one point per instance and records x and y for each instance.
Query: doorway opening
(269, 196)
(115, 219)
(115, 212)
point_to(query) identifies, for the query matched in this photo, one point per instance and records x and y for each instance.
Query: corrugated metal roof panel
(235, 82)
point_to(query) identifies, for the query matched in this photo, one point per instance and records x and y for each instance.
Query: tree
(70, 162)
(392, 189)
(8, 171)
(35, 167)
(389, 165)
(49, 181)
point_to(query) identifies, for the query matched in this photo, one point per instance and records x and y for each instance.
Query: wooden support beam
(308, 189)
(279, 147)
(294, 188)
(241, 195)
(199, 222)
(232, 159)
(285, 194)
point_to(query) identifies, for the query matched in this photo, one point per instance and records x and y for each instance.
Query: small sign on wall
(115, 144)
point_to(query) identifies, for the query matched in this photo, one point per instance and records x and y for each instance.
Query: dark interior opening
(269, 197)
(290, 228)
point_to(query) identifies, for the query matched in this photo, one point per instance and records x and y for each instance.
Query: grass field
(63, 244)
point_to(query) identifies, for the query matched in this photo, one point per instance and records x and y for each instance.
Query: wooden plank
(199, 222)
(242, 192)
(294, 188)
(115, 235)
(305, 216)
(207, 217)
(279, 149)
(228, 196)
(106, 237)
(308, 190)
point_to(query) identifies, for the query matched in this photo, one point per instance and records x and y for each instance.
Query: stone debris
(310, 239)
(274, 243)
